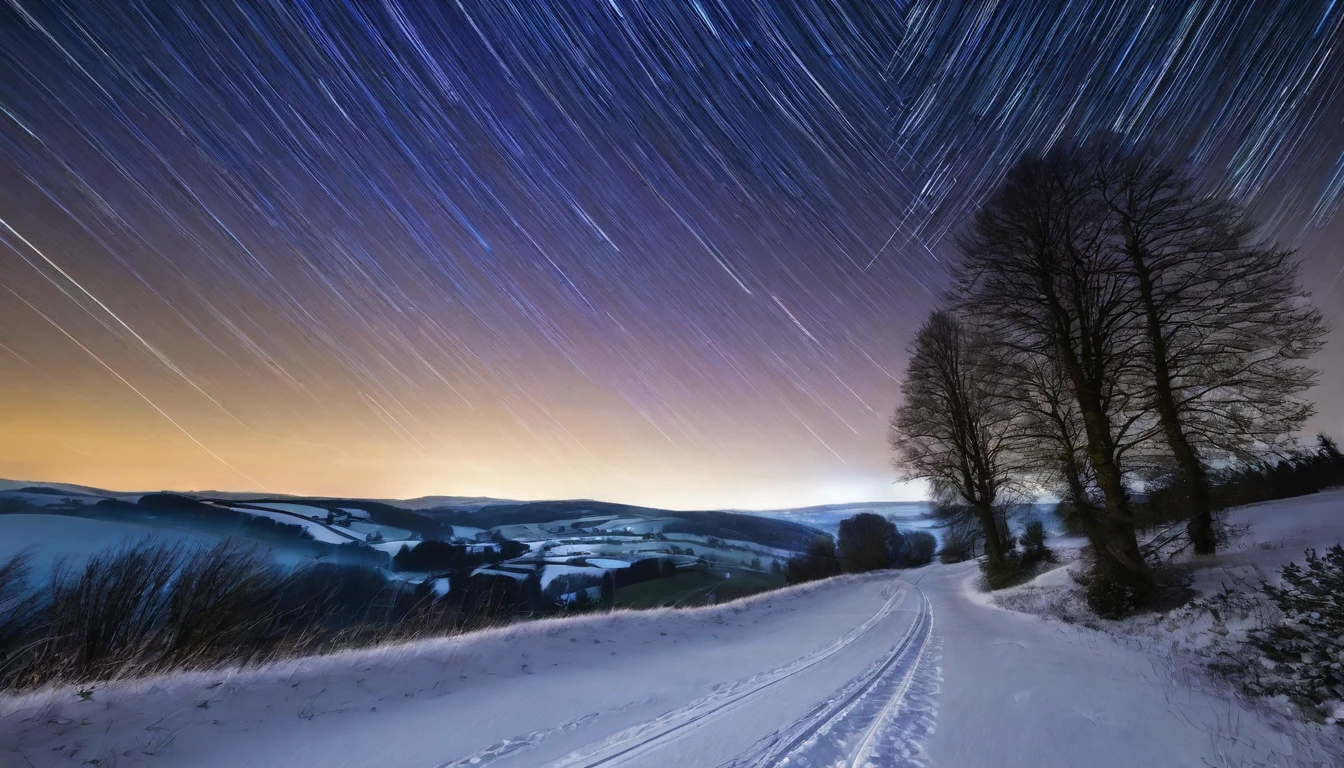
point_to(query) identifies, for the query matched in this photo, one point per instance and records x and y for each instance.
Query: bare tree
(955, 427)
(1225, 325)
(1036, 270)
(1054, 440)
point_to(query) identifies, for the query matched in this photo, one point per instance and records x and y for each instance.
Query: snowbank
(1269, 535)
(1225, 602)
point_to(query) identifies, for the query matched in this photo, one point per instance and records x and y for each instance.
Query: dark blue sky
(666, 252)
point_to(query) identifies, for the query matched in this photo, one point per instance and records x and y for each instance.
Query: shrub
(581, 602)
(508, 548)
(222, 606)
(18, 605)
(1070, 519)
(323, 598)
(87, 623)
(1303, 653)
(1034, 549)
(646, 569)
(567, 583)
(918, 550)
(1298, 473)
(1109, 596)
(149, 606)
(105, 618)
(1004, 574)
(430, 556)
(956, 549)
(438, 556)
(820, 562)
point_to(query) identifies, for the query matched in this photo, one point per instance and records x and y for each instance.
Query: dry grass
(147, 607)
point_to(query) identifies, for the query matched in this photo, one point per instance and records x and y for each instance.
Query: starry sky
(666, 252)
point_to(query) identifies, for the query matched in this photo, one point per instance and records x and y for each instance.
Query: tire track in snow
(511, 747)
(633, 742)
(638, 739)
(879, 718)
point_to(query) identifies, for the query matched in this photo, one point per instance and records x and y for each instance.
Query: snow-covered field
(885, 669)
(311, 519)
(49, 538)
(315, 529)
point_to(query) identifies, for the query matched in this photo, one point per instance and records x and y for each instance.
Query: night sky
(668, 253)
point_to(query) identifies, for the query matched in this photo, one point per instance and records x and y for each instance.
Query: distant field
(49, 538)
(694, 587)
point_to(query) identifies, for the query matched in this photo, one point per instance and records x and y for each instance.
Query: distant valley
(553, 552)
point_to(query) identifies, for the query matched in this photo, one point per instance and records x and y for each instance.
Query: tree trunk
(994, 549)
(1200, 526)
(1191, 479)
(1116, 546)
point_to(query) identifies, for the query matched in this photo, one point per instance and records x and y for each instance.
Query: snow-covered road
(842, 725)
(854, 671)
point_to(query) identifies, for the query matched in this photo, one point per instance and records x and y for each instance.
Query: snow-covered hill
(885, 669)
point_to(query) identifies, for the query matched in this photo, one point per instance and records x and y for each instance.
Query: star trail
(662, 252)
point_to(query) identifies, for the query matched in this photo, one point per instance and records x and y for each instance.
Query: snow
(516, 575)
(49, 538)
(565, 685)
(440, 586)
(1273, 534)
(1226, 604)
(358, 514)
(550, 572)
(572, 549)
(602, 547)
(525, 531)
(393, 547)
(902, 669)
(319, 531)
(295, 509)
(361, 529)
(639, 525)
(751, 548)
(1021, 690)
(592, 593)
(602, 562)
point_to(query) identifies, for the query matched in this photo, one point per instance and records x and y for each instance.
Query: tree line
(864, 542)
(1111, 327)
